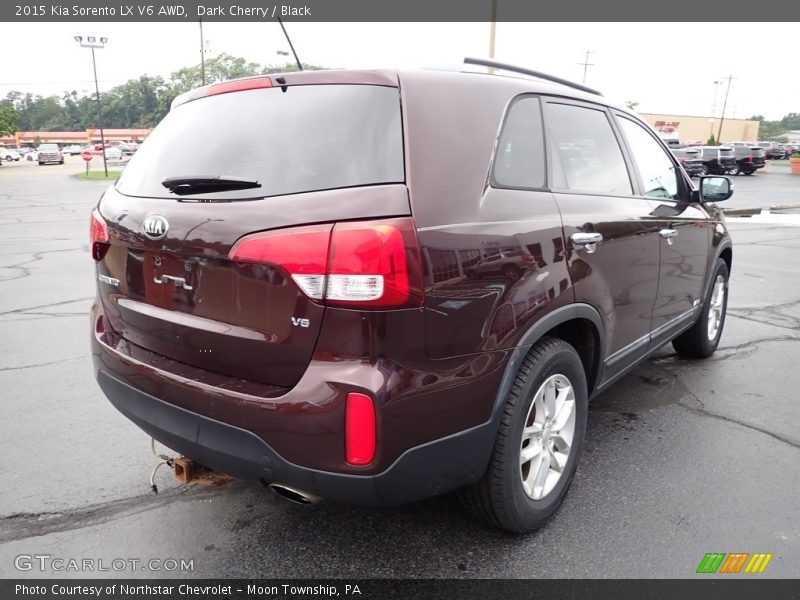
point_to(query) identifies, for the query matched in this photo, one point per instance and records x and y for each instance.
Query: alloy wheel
(547, 437)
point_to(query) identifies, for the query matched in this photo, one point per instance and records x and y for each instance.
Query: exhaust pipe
(293, 494)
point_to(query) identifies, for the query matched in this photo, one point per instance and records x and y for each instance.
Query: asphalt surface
(682, 457)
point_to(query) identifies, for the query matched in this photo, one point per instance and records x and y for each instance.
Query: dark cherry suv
(315, 310)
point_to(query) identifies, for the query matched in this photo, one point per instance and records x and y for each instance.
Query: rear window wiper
(199, 184)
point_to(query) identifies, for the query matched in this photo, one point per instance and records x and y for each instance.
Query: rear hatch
(244, 160)
(759, 155)
(726, 157)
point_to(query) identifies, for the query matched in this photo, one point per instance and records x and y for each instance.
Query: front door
(684, 229)
(612, 242)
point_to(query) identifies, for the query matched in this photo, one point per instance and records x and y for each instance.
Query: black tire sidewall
(528, 512)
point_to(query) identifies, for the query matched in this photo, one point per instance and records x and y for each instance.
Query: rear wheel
(538, 442)
(702, 339)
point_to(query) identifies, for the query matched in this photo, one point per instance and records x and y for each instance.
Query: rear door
(612, 242)
(684, 229)
(312, 154)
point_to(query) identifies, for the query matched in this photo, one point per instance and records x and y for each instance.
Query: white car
(73, 150)
(8, 155)
(113, 153)
(32, 155)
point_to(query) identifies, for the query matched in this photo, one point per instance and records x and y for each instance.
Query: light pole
(714, 106)
(91, 42)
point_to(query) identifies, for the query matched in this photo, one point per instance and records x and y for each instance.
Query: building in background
(688, 129)
(82, 138)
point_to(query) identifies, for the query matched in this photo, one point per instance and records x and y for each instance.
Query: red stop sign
(86, 155)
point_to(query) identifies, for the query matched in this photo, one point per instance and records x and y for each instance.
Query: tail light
(360, 432)
(365, 264)
(98, 235)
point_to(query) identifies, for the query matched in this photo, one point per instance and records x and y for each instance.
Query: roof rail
(506, 67)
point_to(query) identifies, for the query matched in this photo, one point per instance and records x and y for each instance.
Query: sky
(668, 68)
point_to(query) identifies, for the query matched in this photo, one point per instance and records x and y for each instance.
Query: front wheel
(538, 442)
(702, 339)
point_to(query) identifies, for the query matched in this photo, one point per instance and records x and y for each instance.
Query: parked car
(690, 160)
(773, 150)
(72, 150)
(113, 153)
(323, 337)
(790, 148)
(128, 148)
(9, 155)
(32, 155)
(509, 262)
(717, 160)
(749, 159)
(49, 153)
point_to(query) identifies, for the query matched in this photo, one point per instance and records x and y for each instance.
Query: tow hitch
(186, 471)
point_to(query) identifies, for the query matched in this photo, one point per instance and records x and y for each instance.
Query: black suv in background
(717, 160)
(323, 312)
(690, 160)
(773, 150)
(749, 159)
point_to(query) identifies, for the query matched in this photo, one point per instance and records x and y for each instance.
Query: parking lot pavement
(682, 457)
(775, 187)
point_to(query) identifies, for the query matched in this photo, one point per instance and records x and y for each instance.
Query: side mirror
(715, 189)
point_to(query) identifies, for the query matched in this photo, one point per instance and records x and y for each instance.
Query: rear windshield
(48, 148)
(308, 138)
(759, 152)
(726, 151)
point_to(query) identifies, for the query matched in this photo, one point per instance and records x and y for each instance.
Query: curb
(756, 211)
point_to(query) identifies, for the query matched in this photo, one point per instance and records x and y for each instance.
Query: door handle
(668, 234)
(584, 239)
(588, 240)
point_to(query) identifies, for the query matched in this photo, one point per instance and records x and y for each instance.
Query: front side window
(658, 172)
(519, 160)
(586, 155)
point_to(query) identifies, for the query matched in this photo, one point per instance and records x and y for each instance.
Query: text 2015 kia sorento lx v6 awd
(318, 309)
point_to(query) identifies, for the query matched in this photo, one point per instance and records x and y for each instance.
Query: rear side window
(586, 155)
(657, 171)
(309, 138)
(519, 160)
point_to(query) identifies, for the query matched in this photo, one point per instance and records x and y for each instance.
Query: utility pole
(724, 104)
(91, 42)
(492, 29)
(586, 64)
(202, 55)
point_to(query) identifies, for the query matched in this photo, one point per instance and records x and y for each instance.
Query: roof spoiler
(538, 74)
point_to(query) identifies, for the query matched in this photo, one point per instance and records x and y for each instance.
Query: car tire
(552, 369)
(702, 339)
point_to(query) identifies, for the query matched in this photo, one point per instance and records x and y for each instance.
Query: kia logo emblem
(155, 227)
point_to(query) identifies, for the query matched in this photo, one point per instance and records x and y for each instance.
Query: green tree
(8, 119)
(138, 103)
(772, 131)
(712, 141)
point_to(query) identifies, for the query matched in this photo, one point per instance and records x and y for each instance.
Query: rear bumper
(421, 472)
(436, 428)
